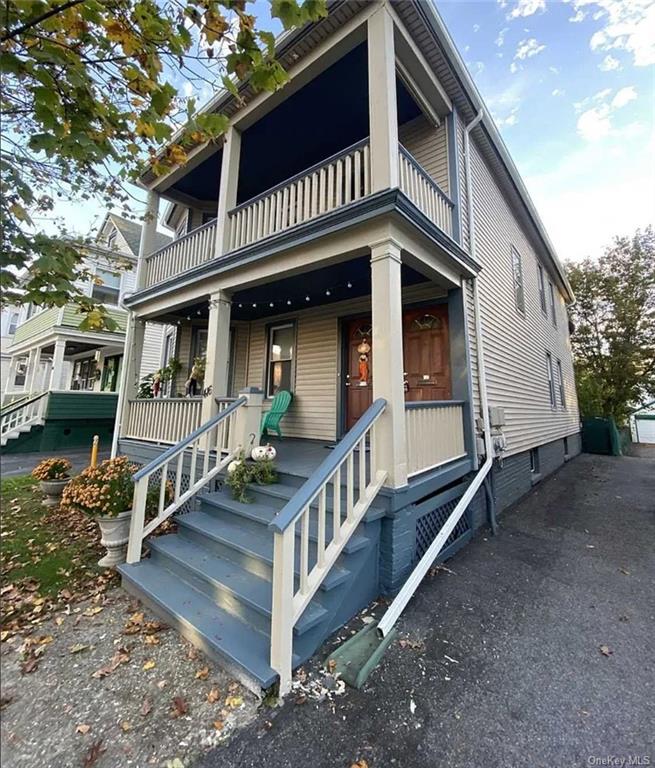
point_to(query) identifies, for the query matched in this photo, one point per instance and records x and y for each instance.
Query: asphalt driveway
(536, 647)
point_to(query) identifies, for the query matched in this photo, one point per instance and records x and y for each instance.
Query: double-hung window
(280, 364)
(542, 288)
(560, 384)
(106, 286)
(553, 314)
(517, 274)
(551, 380)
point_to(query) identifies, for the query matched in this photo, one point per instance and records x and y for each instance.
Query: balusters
(320, 554)
(304, 550)
(336, 506)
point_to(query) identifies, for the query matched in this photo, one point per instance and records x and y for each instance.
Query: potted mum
(53, 477)
(105, 492)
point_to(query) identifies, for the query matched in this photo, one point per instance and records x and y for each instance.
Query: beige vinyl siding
(515, 344)
(240, 361)
(153, 340)
(428, 145)
(313, 413)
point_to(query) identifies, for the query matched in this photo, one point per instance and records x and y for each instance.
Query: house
(642, 423)
(60, 382)
(362, 239)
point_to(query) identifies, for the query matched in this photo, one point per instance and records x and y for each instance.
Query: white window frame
(113, 303)
(550, 372)
(560, 382)
(542, 288)
(269, 340)
(551, 290)
(517, 280)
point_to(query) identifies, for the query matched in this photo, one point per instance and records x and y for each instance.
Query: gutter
(406, 593)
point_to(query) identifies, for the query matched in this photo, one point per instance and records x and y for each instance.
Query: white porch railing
(195, 248)
(424, 192)
(308, 508)
(21, 416)
(435, 434)
(332, 183)
(162, 419)
(204, 448)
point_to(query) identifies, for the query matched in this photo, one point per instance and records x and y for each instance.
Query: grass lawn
(48, 556)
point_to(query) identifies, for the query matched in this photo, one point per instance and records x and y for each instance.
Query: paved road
(524, 616)
(24, 463)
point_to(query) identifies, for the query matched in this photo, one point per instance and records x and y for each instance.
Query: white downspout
(425, 563)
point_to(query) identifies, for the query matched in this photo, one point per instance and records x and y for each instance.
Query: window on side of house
(517, 273)
(84, 374)
(542, 288)
(106, 286)
(13, 323)
(560, 384)
(551, 291)
(281, 358)
(551, 381)
(534, 461)
(182, 225)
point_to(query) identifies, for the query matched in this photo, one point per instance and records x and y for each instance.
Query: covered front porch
(313, 334)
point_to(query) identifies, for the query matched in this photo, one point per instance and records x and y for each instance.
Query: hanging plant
(243, 473)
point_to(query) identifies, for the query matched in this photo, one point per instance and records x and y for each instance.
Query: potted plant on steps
(53, 477)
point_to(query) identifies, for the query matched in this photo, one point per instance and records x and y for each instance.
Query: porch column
(227, 194)
(387, 317)
(148, 237)
(218, 352)
(11, 374)
(33, 371)
(383, 117)
(100, 359)
(129, 383)
(56, 374)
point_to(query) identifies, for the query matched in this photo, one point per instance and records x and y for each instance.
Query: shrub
(52, 469)
(246, 472)
(102, 491)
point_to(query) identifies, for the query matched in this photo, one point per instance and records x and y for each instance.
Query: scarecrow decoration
(364, 350)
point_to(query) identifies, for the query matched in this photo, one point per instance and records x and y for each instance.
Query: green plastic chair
(271, 419)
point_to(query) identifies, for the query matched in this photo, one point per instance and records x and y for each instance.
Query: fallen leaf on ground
(83, 728)
(152, 640)
(146, 707)
(30, 665)
(126, 726)
(331, 665)
(94, 752)
(120, 657)
(233, 702)
(605, 650)
(92, 611)
(180, 707)
(192, 654)
(79, 647)
(624, 572)
(219, 725)
(213, 696)
(360, 764)
(150, 664)
(202, 674)
(5, 701)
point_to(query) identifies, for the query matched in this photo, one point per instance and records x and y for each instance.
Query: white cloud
(527, 8)
(578, 16)
(509, 120)
(528, 48)
(627, 25)
(554, 70)
(476, 27)
(594, 124)
(609, 63)
(500, 40)
(557, 92)
(624, 96)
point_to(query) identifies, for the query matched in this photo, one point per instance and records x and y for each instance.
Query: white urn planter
(114, 535)
(52, 489)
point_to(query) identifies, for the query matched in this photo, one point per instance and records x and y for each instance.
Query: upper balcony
(364, 117)
(55, 319)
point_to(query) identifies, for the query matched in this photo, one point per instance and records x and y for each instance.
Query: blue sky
(571, 86)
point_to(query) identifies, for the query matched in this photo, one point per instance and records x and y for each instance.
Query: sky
(571, 86)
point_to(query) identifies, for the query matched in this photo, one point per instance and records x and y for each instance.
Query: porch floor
(299, 456)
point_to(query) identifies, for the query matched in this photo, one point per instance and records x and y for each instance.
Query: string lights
(301, 300)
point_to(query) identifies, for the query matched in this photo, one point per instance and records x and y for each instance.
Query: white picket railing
(162, 419)
(336, 181)
(424, 192)
(195, 248)
(22, 415)
(435, 434)
(204, 448)
(308, 509)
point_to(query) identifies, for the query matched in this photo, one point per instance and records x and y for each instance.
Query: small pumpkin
(232, 466)
(263, 453)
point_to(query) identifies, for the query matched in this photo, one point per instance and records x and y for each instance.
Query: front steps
(23, 429)
(212, 580)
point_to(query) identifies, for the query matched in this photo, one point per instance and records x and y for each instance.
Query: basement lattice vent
(429, 525)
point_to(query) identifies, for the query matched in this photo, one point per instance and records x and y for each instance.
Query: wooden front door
(426, 353)
(359, 390)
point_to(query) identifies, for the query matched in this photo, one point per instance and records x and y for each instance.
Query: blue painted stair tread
(263, 514)
(221, 634)
(255, 543)
(224, 576)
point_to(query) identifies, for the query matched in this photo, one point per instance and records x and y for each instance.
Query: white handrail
(205, 448)
(318, 553)
(23, 414)
(336, 181)
(195, 248)
(424, 192)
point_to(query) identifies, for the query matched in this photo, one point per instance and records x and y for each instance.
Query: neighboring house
(642, 423)
(363, 240)
(9, 318)
(53, 368)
